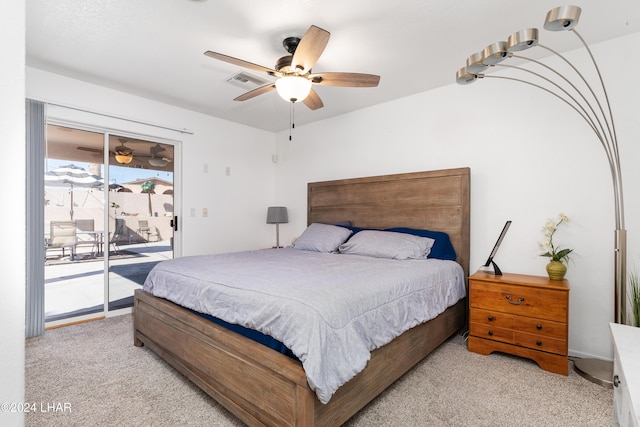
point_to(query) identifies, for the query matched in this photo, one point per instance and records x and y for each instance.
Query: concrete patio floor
(74, 288)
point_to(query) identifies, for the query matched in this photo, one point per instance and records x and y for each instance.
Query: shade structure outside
(72, 176)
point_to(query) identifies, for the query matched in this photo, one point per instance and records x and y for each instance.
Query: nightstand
(527, 316)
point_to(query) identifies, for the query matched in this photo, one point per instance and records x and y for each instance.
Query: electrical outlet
(193, 212)
(227, 171)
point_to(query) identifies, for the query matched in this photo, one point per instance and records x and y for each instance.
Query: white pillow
(387, 244)
(322, 238)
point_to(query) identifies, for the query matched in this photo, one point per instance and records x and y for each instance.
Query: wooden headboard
(433, 200)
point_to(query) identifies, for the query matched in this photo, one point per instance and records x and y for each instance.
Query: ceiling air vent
(246, 81)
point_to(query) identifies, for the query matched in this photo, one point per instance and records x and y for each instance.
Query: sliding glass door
(109, 210)
(140, 215)
(73, 208)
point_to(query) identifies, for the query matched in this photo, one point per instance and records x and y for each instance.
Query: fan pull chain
(292, 125)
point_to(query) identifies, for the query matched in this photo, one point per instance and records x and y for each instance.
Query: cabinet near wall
(522, 315)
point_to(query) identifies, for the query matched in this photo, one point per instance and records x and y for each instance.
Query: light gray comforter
(331, 310)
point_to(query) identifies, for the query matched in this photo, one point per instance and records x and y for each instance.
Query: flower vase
(556, 270)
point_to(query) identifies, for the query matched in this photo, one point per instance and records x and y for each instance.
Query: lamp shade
(293, 88)
(562, 18)
(523, 39)
(464, 77)
(277, 215)
(495, 53)
(474, 63)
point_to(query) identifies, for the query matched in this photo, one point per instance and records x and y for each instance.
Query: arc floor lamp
(593, 108)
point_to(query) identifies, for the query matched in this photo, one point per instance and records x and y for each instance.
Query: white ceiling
(154, 48)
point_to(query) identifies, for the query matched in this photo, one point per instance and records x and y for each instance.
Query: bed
(264, 387)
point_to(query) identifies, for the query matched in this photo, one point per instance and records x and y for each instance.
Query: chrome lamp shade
(277, 215)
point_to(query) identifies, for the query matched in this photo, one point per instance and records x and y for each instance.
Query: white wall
(236, 203)
(12, 253)
(531, 157)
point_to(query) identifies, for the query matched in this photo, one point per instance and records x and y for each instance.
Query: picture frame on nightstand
(494, 251)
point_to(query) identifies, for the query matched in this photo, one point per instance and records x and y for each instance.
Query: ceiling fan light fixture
(123, 154)
(124, 159)
(158, 162)
(293, 88)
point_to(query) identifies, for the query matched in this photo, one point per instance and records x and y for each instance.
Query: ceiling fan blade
(345, 79)
(309, 49)
(313, 101)
(90, 149)
(241, 63)
(255, 92)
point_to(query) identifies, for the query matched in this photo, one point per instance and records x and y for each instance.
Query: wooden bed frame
(263, 387)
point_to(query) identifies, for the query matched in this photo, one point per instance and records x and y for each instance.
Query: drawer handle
(616, 381)
(538, 327)
(490, 333)
(491, 318)
(538, 342)
(520, 300)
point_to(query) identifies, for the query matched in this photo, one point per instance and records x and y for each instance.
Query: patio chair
(143, 228)
(86, 235)
(119, 232)
(62, 235)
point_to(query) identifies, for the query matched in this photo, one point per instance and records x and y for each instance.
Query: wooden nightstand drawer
(540, 327)
(542, 343)
(491, 332)
(520, 300)
(494, 318)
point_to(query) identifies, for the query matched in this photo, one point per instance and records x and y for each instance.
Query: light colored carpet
(94, 372)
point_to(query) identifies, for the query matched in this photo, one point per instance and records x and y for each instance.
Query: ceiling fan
(124, 155)
(155, 160)
(295, 77)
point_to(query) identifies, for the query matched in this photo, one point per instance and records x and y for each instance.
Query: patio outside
(139, 235)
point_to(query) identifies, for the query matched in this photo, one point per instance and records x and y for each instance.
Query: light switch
(205, 212)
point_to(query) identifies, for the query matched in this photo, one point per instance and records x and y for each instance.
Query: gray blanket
(331, 310)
